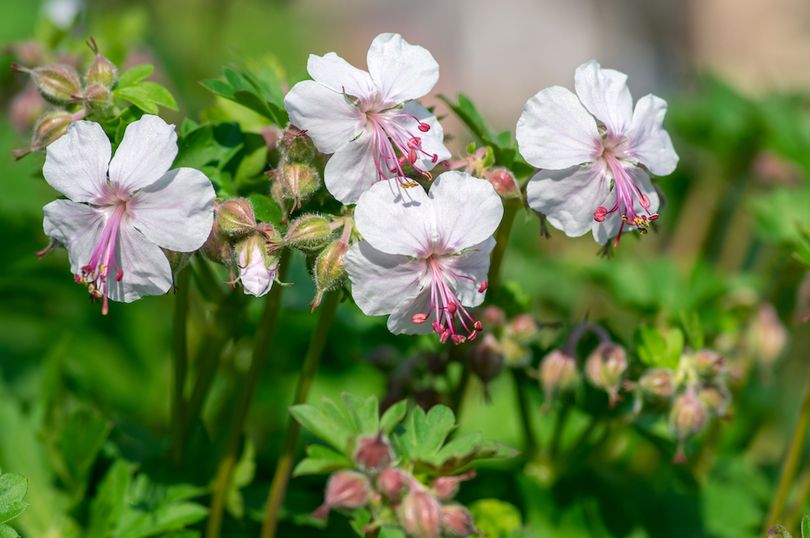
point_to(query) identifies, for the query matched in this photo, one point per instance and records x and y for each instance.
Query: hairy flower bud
(49, 128)
(58, 83)
(295, 181)
(523, 328)
(605, 367)
(558, 373)
(503, 180)
(97, 95)
(716, 397)
(215, 249)
(767, 335)
(297, 146)
(235, 219)
(25, 109)
(486, 360)
(391, 483)
(309, 233)
(446, 487)
(420, 515)
(257, 265)
(457, 521)
(687, 418)
(657, 384)
(329, 270)
(373, 453)
(345, 489)
(102, 71)
(709, 364)
(493, 316)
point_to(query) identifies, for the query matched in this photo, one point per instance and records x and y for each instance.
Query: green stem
(791, 464)
(180, 356)
(559, 427)
(502, 234)
(207, 281)
(285, 463)
(264, 336)
(520, 379)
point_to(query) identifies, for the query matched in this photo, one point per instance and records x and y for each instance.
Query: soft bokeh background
(499, 53)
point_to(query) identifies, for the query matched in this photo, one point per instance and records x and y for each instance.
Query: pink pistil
(394, 145)
(103, 259)
(627, 193)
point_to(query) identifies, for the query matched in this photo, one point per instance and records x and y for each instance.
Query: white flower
(257, 270)
(595, 151)
(427, 259)
(121, 212)
(369, 120)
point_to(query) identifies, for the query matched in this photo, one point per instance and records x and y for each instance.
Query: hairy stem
(285, 463)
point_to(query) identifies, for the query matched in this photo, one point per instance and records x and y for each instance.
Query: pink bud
(687, 418)
(373, 453)
(420, 515)
(657, 383)
(457, 521)
(503, 181)
(391, 483)
(446, 487)
(235, 219)
(493, 316)
(345, 489)
(709, 364)
(558, 373)
(605, 367)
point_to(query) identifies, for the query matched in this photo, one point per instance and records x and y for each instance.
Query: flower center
(452, 321)
(103, 260)
(396, 141)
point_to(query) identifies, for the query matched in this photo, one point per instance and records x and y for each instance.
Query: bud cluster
(479, 162)
(296, 178)
(396, 497)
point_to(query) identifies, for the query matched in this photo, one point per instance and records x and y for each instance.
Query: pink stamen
(627, 193)
(103, 260)
(389, 138)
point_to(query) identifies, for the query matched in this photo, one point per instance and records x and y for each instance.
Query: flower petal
(555, 131)
(351, 170)
(145, 154)
(467, 210)
(146, 271)
(432, 141)
(401, 319)
(177, 211)
(605, 94)
(77, 226)
(76, 164)
(380, 281)
(568, 198)
(472, 264)
(339, 75)
(401, 71)
(647, 139)
(255, 276)
(396, 220)
(325, 114)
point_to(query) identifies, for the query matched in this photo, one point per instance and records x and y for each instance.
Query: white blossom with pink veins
(121, 212)
(425, 262)
(596, 152)
(369, 120)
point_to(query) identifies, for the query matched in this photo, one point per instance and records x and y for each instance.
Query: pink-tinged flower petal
(380, 281)
(605, 94)
(396, 220)
(467, 210)
(327, 117)
(468, 270)
(255, 276)
(568, 198)
(177, 211)
(145, 269)
(145, 154)
(609, 228)
(351, 171)
(77, 226)
(432, 141)
(401, 319)
(76, 164)
(401, 71)
(647, 140)
(339, 75)
(555, 131)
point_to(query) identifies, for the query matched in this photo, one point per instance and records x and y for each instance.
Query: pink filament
(103, 259)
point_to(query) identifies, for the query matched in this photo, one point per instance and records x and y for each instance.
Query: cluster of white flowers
(424, 256)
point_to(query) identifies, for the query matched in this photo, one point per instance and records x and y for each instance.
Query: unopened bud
(523, 328)
(257, 267)
(58, 83)
(493, 316)
(215, 249)
(605, 367)
(457, 521)
(50, 127)
(446, 487)
(235, 219)
(709, 364)
(97, 95)
(768, 337)
(486, 360)
(778, 531)
(309, 233)
(716, 397)
(391, 483)
(373, 453)
(295, 181)
(25, 109)
(102, 71)
(420, 515)
(515, 353)
(297, 146)
(657, 384)
(558, 373)
(345, 489)
(329, 270)
(687, 418)
(504, 182)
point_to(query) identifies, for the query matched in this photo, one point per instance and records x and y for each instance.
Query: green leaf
(243, 474)
(133, 76)
(806, 526)
(265, 208)
(108, 504)
(79, 439)
(326, 423)
(12, 493)
(365, 412)
(147, 96)
(8, 532)
(496, 518)
(425, 433)
(321, 459)
(393, 416)
(690, 321)
(655, 348)
(252, 164)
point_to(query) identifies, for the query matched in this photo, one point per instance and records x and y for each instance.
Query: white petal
(395, 226)
(351, 170)
(472, 264)
(255, 276)
(339, 75)
(605, 94)
(76, 164)
(145, 154)
(401, 319)
(555, 131)
(401, 71)
(381, 281)
(467, 210)
(607, 229)
(647, 139)
(327, 117)
(568, 198)
(432, 141)
(177, 211)
(77, 226)
(146, 271)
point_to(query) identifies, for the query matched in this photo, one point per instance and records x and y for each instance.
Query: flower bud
(558, 373)
(295, 181)
(51, 126)
(446, 487)
(257, 268)
(778, 531)
(493, 316)
(373, 453)
(687, 418)
(97, 95)
(767, 335)
(709, 364)
(57, 83)
(345, 489)
(235, 219)
(309, 233)
(329, 270)
(297, 146)
(605, 367)
(657, 384)
(457, 521)
(515, 353)
(504, 182)
(25, 109)
(486, 360)
(716, 398)
(102, 71)
(420, 515)
(391, 483)
(523, 328)
(215, 249)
